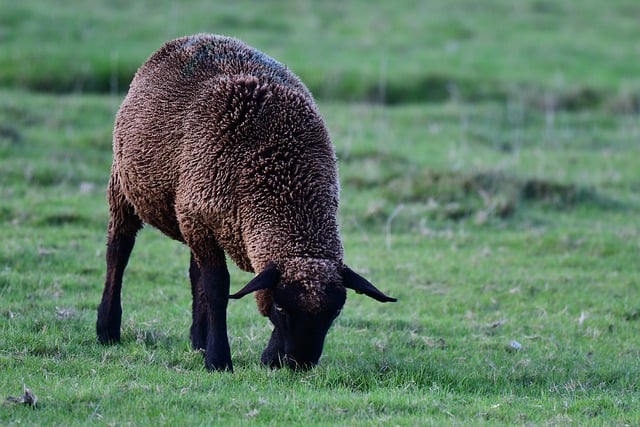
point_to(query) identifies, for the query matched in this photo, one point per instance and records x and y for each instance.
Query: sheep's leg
(273, 355)
(199, 329)
(210, 288)
(110, 310)
(210, 285)
(215, 282)
(123, 226)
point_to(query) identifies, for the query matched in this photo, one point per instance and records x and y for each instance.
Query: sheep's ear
(268, 278)
(352, 280)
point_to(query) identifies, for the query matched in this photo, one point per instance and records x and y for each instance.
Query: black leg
(199, 308)
(215, 281)
(273, 355)
(210, 287)
(119, 248)
(124, 224)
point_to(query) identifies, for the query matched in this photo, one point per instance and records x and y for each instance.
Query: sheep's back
(149, 134)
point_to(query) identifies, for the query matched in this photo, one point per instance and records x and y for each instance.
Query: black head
(301, 320)
(302, 312)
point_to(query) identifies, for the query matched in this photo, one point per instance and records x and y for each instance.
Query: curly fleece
(221, 147)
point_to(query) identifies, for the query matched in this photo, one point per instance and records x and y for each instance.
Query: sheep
(222, 148)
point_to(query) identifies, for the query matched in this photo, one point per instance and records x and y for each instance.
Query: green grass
(560, 279)
(572, 55)
(492, 217)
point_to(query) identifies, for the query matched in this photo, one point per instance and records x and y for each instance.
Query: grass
(569, 55)
(506, 225)
(560, 279)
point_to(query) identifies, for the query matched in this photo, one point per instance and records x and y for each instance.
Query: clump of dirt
(28, 398)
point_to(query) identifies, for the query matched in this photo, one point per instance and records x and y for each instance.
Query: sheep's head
(302, 303)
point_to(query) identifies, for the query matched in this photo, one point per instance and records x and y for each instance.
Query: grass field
(489, 167)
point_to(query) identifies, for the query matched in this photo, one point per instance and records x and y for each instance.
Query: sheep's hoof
(225, 366)
(272, 358)
(273, 355)
(198, 339)
(218, 359)
(107, 339)
(108, 335)
(108, 323)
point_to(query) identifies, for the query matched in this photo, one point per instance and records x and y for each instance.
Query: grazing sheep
(222, 148)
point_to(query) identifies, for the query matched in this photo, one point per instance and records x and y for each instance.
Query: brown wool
(223, 148)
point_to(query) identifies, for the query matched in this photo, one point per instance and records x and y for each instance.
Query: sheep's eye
(279, 308)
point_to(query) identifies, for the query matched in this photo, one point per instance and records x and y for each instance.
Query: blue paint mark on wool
(212, 54)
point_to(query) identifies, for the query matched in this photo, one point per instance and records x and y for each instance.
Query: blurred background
(566, 54)
(452, 109)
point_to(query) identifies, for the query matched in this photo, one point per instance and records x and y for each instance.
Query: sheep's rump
(221, 133)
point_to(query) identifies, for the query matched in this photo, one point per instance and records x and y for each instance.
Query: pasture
(488, 157)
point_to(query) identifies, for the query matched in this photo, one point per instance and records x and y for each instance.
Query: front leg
(210, 286)
(273, 355)
(215, 281)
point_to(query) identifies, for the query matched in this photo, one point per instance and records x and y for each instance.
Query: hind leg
(123, 227)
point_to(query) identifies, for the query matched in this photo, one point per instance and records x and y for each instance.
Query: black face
(302, 313)
(298, 335)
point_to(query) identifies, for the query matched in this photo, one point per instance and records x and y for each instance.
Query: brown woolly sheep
(222, 148)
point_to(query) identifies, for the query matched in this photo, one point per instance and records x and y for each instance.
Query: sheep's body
(222, 148)
(238, 184)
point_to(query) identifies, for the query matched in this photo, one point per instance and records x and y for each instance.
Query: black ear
(268, 278)
(352, 280)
